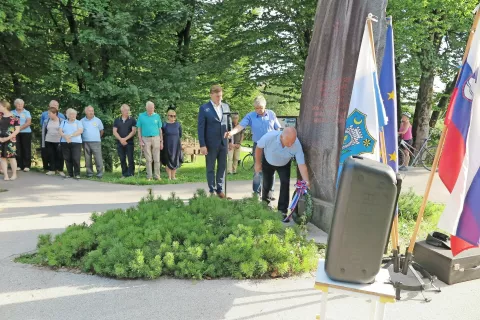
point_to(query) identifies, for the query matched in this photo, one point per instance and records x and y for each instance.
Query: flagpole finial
(372, 17)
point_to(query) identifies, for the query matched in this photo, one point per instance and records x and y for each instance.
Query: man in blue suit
(213, 122)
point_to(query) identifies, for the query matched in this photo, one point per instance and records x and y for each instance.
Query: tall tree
(430, 37)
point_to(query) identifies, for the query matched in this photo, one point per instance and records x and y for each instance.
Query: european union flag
(387, 89)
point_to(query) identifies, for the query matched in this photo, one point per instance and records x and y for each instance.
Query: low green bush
(409, 204)
(206, 238)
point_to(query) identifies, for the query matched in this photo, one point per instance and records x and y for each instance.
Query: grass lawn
(189, 172)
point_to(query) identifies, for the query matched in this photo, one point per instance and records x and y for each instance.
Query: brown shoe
(221, 195)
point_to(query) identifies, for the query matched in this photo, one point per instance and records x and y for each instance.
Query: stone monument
(327, 86)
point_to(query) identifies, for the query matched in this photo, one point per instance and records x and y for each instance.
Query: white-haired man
(24, 138)
(275, 151)
(92, 142)
(149, 126)
(260, 121)
(124, 129)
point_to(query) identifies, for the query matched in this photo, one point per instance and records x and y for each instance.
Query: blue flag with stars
(387, 89)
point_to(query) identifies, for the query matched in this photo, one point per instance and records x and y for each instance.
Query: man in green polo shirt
(150, 137)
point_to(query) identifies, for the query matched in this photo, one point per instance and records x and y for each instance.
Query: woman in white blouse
(71, 142)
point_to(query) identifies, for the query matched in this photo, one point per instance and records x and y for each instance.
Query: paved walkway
(37, 204)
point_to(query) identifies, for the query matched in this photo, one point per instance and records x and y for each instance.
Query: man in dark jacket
(213, 123)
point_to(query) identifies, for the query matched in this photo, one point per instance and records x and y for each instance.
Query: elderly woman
(9, 129)
(51, 142)
(24, 138)
(71, 143)
(171, 155)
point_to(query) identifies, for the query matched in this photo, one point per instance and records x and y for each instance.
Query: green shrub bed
(206, 238)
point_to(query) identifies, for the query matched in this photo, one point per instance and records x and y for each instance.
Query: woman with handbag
(9, 129)
(51, 142)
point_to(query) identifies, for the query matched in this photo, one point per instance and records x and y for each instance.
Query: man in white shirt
(213, 123)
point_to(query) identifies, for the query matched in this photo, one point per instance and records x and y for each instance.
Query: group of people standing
(219, 132)
(273, 149)
(64, 136)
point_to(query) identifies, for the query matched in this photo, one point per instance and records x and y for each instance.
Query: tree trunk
(423, 108)
(443, 102)
(17, 85)
(105, 62)
(74, 49)
(307, 38)
(183, 42)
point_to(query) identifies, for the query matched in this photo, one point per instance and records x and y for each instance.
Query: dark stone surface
(378, 9)
(328, 82)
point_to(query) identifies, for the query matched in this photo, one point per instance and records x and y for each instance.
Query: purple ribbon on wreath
(300, 189)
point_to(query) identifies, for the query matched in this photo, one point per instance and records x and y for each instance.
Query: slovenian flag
(460, 161)
(366, 113)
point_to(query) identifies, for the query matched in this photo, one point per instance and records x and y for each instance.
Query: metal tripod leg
(415, 269)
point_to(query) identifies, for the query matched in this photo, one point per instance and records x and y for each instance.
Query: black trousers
(55, 156)
(71, 154)
(45, 160)
(270, 192)
(284, 173)
(124, 153)
(24, 150)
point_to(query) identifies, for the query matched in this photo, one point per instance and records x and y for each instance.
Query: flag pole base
(403, 264)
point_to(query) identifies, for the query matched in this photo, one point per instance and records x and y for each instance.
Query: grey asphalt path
(37, 204)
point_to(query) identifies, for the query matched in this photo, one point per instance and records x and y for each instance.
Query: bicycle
(248, 161)
(424, 156)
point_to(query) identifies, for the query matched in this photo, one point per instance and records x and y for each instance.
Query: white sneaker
(26, 169)
(61, 174)
(18, 169)
(50, 173)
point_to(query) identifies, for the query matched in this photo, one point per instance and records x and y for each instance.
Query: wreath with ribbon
(301, 190)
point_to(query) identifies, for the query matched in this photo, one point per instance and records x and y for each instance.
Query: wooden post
(440, 144)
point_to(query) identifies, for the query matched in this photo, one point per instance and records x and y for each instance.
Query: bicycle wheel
(247, 162)
(401, 158)
(428, 155)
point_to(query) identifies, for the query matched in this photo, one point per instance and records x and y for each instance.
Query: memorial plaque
(327, 87)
